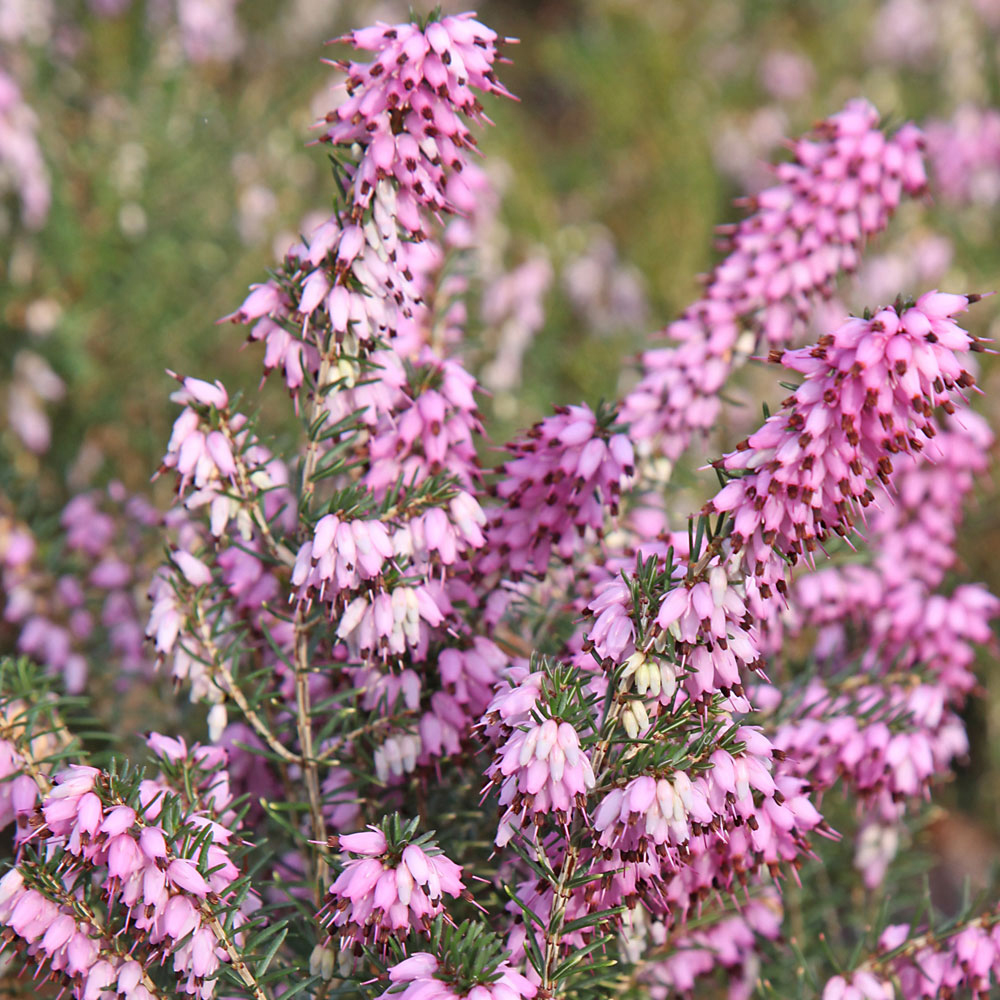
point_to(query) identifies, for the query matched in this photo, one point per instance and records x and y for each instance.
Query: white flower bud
(218, 718)
(321, 962)
(639, 711)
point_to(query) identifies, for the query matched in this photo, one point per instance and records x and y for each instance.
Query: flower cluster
(665, 813)
(405, 108)
(931, 967)
(842, 187)
(541, 769)
(964, 156)
(658, 714)
(925, 964)
(730, 943)
(167, 876)
(564, 476)
(869, 390)
(422, 974)
(386, 891)
(887, 742)
(96, 595)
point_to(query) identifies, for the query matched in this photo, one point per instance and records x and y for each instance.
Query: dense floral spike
(887, 742)
(914, 524)
(869, 389)
(888, 618)
(840, 190)
(890, 612)
(339, 596)
(568, 470)
(405, 110)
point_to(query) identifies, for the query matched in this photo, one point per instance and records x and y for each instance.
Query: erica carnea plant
(529, 730)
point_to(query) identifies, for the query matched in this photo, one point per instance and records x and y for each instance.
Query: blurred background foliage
(176, 181)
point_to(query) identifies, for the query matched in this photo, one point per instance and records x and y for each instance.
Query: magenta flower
(565, 475)
(385, 893)
(422, 81)
(540, 769)
(868, 390)
(842, 188)
(713, 632)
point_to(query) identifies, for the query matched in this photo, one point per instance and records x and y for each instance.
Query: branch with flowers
(513, 732)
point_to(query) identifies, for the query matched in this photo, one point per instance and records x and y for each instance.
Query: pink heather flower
(837, 737)
(564, 475)
(341, 555)
(196, 390)
(711, 627)
(420, 972)
(674, 814)
(428, 432)
(658, 812)
(442, 536)
(56, 615)
(397, 755)
(904, 624)
(133, 863)
(540, 769)
(968, 961)
(869, 388)
(383, 624)
(891, 603)
(471, 675)
(613, 631)
(731, 942)
(841, 189)
(405, 108)
(382, 894)
(444, 729)
(913, 529)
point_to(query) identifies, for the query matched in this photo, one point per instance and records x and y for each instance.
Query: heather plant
(532, 730)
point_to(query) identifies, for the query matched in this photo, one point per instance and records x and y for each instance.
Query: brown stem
(312, 448)
(112, 945)
(310, 769)
(249, 498)
(233, 690)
